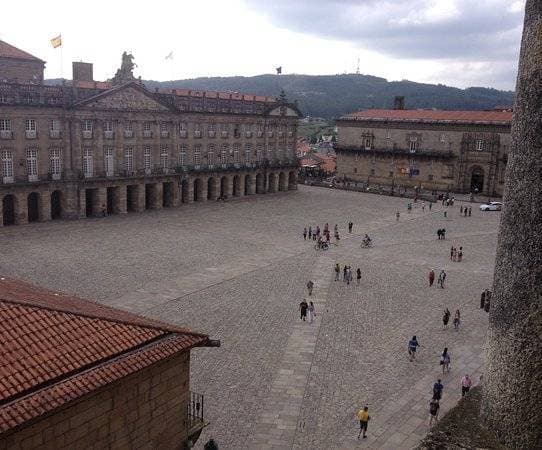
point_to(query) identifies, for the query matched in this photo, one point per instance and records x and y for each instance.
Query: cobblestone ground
(237, 271)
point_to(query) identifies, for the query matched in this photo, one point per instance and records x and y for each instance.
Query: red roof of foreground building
(429, 115)
(9, 51)
(56, 348)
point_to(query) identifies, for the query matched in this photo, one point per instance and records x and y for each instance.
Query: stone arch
(9, 206)
(33, 206)
(283, 186)
(198, 190)
(248, 184)
(292, 180)
(477, 179)
(272, 182)
(212, 188)
(56, 205)
(236, 186)
(260, 183)
(224, 186)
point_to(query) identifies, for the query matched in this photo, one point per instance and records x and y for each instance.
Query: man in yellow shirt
(363, 417)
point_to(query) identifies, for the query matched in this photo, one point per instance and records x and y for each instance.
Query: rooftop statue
(126, 71)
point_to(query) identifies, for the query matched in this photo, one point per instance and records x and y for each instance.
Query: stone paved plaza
(237, 270)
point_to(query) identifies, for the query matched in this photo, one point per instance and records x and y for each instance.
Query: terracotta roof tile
(422, 115)
(9, 51)
(56, 348)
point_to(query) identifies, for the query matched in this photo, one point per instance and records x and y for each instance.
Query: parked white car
(491, 206)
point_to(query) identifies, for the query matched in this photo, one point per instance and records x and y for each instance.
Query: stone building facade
(92, 148)
(458, 151)
(78, 375)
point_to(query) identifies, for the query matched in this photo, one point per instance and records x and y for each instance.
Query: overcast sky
(455, 42)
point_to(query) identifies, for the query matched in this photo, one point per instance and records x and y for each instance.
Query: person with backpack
(438, 387)
(337, 272)
(441, 278)
(413, 345)
(358, 275)
(445, 360)
(431, 277)
(363, 417)
(457, 319)
(434, 407)
(303, 306)
(446, 317)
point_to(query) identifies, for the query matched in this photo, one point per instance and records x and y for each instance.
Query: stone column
(190, 188)
(273, 183)
(229, 186)
(82, 203)
(139, 205)
(45, 206)
(512, 395)
(292, 186)
(69, 202)
(240, 188)
(176, 194)
(158, 194)
(204, 182)
(21, 208)
(120, 204)
(251, 188)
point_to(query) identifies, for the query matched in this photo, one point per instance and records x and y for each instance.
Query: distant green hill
(331, 96)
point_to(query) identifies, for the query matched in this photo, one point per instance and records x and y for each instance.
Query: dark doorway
(56, 205)
(33, 201)
(477, 180)
(167, 194)
(8, 210)
(223, 186)
(131, 198)
(89, 194)
(236, 186)
(247, 184)
(185, 191)
(260, 184)
(291, 180)
(149, 196)
(211, 189)
(197, 190)
(110, 200)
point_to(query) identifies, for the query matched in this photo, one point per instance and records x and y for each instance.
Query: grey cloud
(478, 30)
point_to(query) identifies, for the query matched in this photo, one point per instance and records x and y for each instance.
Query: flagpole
(61, 61)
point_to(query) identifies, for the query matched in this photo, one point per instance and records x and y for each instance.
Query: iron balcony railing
(431, 153)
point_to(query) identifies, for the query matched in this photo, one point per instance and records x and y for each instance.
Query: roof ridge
(25, 55)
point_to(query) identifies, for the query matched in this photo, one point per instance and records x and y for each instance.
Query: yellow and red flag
(56, 41)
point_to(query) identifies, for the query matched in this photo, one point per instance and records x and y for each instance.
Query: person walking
(337, 272)
(350, 225)
(445, 360)
(430, 205)
(397, 215)
(312, 312)
(460, 254)
(431, 277)
(441, 278)
(423, 206)
(413, 345)
(466, 384)
(348, 275)
(310, 286)
(310, 233)
(358, 276)
(363, 417)
(439, 234)
(303, 309)
(438, 387)
(482, 299)
(461, 210)
(452, 251)
(434, 407)
(345, 273)
(457, 320)
(305, 233)
(443, 233)
(446, 317)
(470, 211)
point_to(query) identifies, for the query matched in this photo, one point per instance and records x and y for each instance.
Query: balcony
(212, 134)
(224, 134)
(31, 134)
(87, 134)
(54, 134)
(197, 134)
(281, 134)
(33, 178)
(56, 176)
(425, 153)
(7, 180)
(128, 134)
(183, 134)
(248, 134)
(259, 134)
(164, 134)
(270, 134)
(194, 420)
(109, 134)
(147, 133)
(6, 134)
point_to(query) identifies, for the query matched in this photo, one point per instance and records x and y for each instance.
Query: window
(183, 130)
(391, 173)
(367, 143)
(109, 161)
(54, 125)
(197, 130)
(163, 126)
(259, 150)
(55, 161)
(197, 155)
(355, 170)
(224, 129)
(129, 159)
(30, 125)
(147, 126)
(248, 155)
(182, 155)
(430, 177)
(147, 159)
(87, 125)
(479, 145)
(211, 130)
(88, 163)
(32, 164)
(372, 171)
(413, 144)
(5, 125)
(108, 126)
(164, 157)
(237, 131)
(128, 126)
(442, 138)
(7, 165)
(224, 154)
(211, 154)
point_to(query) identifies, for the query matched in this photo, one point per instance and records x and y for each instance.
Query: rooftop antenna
(357, 68)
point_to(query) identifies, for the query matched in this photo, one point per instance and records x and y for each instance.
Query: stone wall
(512, 395)
(146, 409)
(21, 70)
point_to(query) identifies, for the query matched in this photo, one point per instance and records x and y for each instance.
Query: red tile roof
(423, 115)
(55, 348)
(9, 51)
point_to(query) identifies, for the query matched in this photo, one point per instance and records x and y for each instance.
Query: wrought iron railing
(194, 413)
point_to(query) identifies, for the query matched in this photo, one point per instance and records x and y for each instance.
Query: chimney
(82, 71)
(399, 102)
